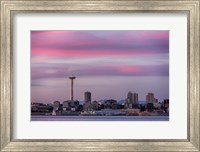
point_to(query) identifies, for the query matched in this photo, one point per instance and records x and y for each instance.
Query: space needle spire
(72, 77)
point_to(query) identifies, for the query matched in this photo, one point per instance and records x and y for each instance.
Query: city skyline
(108, 64)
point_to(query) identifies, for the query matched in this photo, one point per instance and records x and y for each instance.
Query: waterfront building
(110, 104)
(150, 106)
(149, 101)
(71, 105)
(95, 105)
(87, 106)
(131, 101)
(142, 108)
(150, 98)
(87, 97)
(156, 104)
(41, 108)
(130, 97)
(166, 105)
(56, 105)
(50, 104)
(65, 105)
(135, 100)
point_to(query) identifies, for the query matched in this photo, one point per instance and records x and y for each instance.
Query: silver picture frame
(11, 7)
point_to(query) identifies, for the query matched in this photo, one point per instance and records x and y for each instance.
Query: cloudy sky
(106, 63)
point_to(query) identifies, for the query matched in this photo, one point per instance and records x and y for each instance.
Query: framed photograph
(100, 75)
(97, 57)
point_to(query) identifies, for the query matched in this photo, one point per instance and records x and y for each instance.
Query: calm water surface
(99, 118)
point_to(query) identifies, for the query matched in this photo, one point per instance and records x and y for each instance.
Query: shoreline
(99, 118)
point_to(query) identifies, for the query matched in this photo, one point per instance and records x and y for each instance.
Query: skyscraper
(87, 106)
(87, 97)
(166, 105)
(149, 101)
(135, 98)
(150, 98)
(130, 97)
(131, 100)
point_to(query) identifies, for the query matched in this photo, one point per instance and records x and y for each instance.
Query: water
(99, 118)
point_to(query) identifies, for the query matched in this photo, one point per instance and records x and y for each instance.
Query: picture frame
(9, 8)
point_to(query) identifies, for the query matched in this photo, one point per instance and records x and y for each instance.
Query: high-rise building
(87, 97)
(131, 100)
(149, 101)
(130, 97)
(150, 98)
(87, 106)
(166, 105)
(135, 98)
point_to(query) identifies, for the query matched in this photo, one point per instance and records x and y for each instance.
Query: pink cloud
(91, 53)
(147, 41)
(148, 35)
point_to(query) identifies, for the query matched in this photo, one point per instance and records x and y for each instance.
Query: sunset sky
(109, 64)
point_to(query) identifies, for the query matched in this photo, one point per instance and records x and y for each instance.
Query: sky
(108, 63)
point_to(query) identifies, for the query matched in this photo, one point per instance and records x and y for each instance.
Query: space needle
(72, 77)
